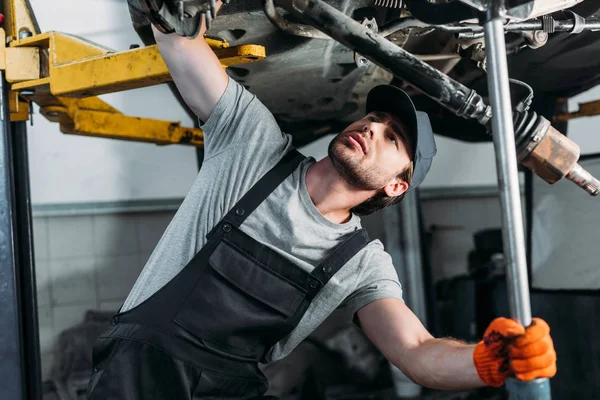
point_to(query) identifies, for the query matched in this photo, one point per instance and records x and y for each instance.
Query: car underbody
(315, 86)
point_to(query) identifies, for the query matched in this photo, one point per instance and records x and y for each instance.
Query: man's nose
(367, 131)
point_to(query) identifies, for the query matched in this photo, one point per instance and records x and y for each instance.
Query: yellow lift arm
(589, 109)
(63, 74)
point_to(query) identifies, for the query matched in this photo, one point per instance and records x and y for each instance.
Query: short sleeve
(377, 280)
(240, 119)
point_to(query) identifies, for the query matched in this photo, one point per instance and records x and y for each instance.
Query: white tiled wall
(88, 262)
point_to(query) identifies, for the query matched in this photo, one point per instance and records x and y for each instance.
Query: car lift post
(20, 372)
(513, 234)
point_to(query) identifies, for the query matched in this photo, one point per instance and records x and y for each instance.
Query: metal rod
(396, 229)
(531, 25)
(467, 28)
(508, 177)
(12, 360)
(24, 244)
(411, 249)
(276, 19)
(449, 93)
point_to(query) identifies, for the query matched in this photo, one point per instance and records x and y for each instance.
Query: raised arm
(195, 69)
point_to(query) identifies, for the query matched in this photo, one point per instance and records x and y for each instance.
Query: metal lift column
(513, 235)
(20, 376)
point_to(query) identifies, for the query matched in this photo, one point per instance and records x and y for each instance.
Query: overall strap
(341, 254)
(260, 191)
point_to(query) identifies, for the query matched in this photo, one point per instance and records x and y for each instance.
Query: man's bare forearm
(444, 364)
(195, 69)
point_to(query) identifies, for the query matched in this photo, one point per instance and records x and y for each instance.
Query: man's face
(371, 152)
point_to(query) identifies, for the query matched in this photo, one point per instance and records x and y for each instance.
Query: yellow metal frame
(63, 74)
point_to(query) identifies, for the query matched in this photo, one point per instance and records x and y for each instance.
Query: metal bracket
(94, 117)
(371, 24)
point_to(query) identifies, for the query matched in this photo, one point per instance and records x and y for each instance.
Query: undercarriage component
(536, 39)
(523, 9)
(550, 154)
(371, 24)
(567, 25)
(388, 3)
(452, 95)
(440, 13)
(183, 17)
(301, 30)
(549, 25)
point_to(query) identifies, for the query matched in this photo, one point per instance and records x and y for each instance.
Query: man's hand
(508, 349)
(138, 12)
(184, 17)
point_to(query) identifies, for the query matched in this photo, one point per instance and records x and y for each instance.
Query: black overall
(202, 335)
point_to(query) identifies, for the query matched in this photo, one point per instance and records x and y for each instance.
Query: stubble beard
(352, 170)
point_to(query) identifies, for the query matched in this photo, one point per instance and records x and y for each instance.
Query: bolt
(25, 34)
(27, 92)
(541, 36)
(361, 61)
(180, 10)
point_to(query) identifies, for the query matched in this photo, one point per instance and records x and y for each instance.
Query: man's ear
(395, 187)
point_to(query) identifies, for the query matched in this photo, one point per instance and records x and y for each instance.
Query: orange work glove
(508, 349)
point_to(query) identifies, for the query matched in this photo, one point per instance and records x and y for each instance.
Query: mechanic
(268, 243)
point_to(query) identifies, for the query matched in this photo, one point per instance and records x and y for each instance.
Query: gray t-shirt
(242, 142)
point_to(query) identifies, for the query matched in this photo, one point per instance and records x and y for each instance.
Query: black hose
(276, 19)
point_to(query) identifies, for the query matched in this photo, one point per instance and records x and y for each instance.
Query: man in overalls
(268, 243)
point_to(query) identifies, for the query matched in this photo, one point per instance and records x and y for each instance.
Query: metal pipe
(531, 25)
(437, 57)
(26, 258)
(13, 364)
(413, 271)
(508, 177)
(513, 236)
(396, 230)
(402, 23)
(466, 29)
(276, 19)
(449, 93)
(469, 35)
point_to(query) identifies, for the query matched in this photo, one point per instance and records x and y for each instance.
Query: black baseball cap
(395, 101)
